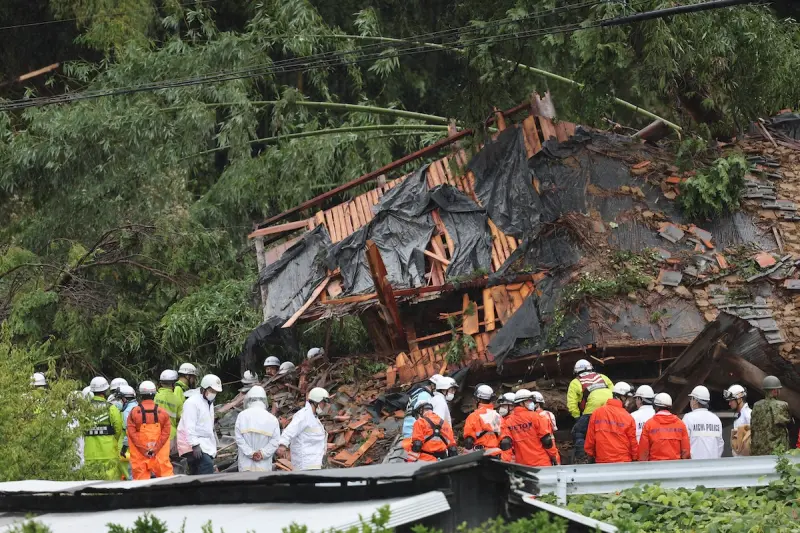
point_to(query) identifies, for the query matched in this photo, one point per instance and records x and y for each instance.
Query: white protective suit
(256, 430)
(197, 426)
(742, 419)
(306, 437)
(642, 415)
(705, 434)
(440, 407)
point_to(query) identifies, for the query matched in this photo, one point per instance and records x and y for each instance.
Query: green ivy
(715, 190)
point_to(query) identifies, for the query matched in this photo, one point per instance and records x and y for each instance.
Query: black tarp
(552, 250)
(268, 339)
(787, 123)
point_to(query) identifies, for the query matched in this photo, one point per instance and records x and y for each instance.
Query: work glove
(197, 453)
(591, 460)
(553, 461)
(123, 452)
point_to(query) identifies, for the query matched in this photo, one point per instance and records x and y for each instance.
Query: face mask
(503, 411)
(210, 395)
(322, 409)
(530, 406)
(118, 404)
(449, 396)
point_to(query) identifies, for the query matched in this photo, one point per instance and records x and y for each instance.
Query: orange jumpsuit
(486, 428)
(149, 429)
(435, 435)
(664, 438)
(612, 434)
(527, 429)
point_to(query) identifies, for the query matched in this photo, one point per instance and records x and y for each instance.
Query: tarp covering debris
(787, 123)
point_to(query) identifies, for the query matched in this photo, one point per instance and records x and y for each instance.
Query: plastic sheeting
(553, 250)
(787, 123)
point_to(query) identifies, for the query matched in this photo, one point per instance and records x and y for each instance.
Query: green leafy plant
(658, 315)
(460, 342)
(715, 190)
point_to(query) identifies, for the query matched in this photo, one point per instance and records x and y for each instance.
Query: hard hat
(87, 393)
(187, 369)
(521, 395)
(98, 384)
(285, 368)
(313, 352)
(257, 393)
(483, 392)
(249, 378)
(272, 361)
(662, 399)
(582, 366)
(210, 381)
(116, 383)
(771, 383)
(445, 383)
(537, 397)
(734, 392)
(38, 380)
(645, 392)
(622, 389)
(435, 378)
(126, 391)
(506, 399)
(423, 404)
(701, 394)
(318, 394)
(168, 376)
(147, 387)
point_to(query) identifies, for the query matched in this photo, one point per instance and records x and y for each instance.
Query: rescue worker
(148, 436)
(248, 380)
(505, 405)
(612, 430)
(704, 427)
(38, 381)
(305, 435)
(420, 391)
(538, 399)
(644, 408)
(736, 396)
(114, 387)
(271, 366)
(187, 380)
(167, 400)
(664, 437)
(196, 440)
(101, 442)
(314, 352)
(257, 433)
(287, 367)
(484, 427)
(432, 438)
(445, 392)
(127, 398)
(531, 438)
(588, 391)
(769, 420)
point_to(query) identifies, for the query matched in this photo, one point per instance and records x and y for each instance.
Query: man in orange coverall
(533, 442)
(505, 406)
(431, 437)
(485, 428)
(664, 437)
(148, 436)
(611, 437)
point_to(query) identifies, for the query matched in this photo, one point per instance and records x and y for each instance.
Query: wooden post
(385, 293)
(262, 264)
(753, 376)
(499, 119)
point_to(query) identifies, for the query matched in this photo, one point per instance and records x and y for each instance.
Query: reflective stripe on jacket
(664, 438)
(408, 421)
(101, 440)
(306, 437)
(256, 430)
(168, 401)
(611, 437)
(597, 396)
(485, 426)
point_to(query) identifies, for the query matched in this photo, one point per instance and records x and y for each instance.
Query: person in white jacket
(705, 428)
(445, 392)
(257, 432)
(305, 435)
(644, 408)
(197, 442)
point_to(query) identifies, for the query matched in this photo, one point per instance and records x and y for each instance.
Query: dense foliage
(123, 219)
(716, 189)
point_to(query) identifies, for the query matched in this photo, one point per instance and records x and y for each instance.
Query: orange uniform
(148, 432)
(432, 438)
(664, 438)
(612, 434)
(484, 428)
(530, 433)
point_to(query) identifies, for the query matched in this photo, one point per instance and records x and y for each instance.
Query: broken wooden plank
(281, 228)
(470, 319)
(532, 135)
(502, 303)
(438, 245)
(438, 257)
(384, 290)
(548, 129)
(321, 287)
(516, 299)
(330, 225)
(373, 438)
(488, 310)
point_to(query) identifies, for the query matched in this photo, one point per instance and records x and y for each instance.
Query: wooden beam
(321, 287)
(281, 228)
(470, 321)
(384, 290)
(439, 258)
(753, 376)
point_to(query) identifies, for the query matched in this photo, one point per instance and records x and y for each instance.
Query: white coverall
(705, 434)
(306, 437)
(197, 426)
(440, 407)
(256, 430)
(742, 419)
(640, 416)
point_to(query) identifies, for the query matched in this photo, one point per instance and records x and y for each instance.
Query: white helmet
(435, 379)
(249, 378)
(38, 380)
(483, 392)
(445, 383)
(645, 392)
(256, 394)
(622, 389)
(318, 394)
(506, 399)
(210, 381)
(701, 394)
(272, 361)
(147, 387)
(187, 369)
(116, 383)
(98, 384)
(663, 399)
(423, 404)
(313, 352)
(582, 366)
(537, 397)
(168, 376)
(734, 392)
(285, 368)
(522, 395)
(126, 391)
(87, 393)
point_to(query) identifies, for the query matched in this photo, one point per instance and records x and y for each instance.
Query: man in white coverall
(257, 432)
(644, 408)
(445, 392)
(197, 441)
(305, 434)
(705, 428)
